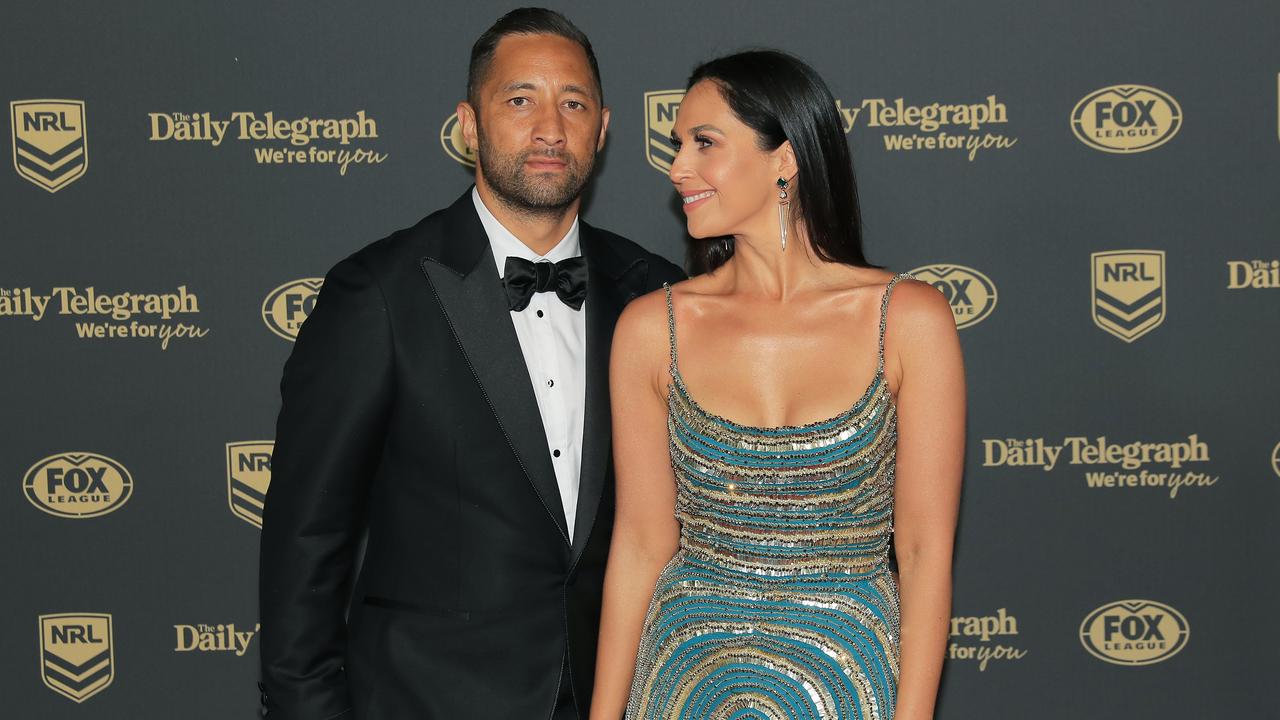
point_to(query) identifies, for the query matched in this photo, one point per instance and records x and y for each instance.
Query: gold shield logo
(1126, 119)
(455, 146)
(971, 294)
(660, 107)
(1128, 292)
(1134, 632)
(49, 147)
(248, 476)
(77, 485)
(288, 306)
(77, 660)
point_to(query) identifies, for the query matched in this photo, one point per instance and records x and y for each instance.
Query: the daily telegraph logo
(971, 294)
(77, 659)
(907, 127)
(1253, 274)
(248, 477)
(105, 315)
(303, 139)
(983, 638)
(1128, 292)
(1134, 632)
(49, 145)
(219, 638)
(454, 144)
(956, 127)
(287, 307)
(1158, 465)
(77, 485)
(1126, 119)
(660, 108)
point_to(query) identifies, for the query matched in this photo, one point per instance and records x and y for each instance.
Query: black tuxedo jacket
(407, 409)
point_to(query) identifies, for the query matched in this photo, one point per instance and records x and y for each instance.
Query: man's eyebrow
(526, 85)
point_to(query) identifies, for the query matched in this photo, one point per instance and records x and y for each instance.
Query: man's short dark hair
(524, 21)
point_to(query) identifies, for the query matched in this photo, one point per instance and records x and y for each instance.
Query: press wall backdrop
(1092, 184)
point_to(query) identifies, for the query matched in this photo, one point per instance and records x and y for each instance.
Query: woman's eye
(701, 139)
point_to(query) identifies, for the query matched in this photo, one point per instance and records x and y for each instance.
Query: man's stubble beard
(524, 192)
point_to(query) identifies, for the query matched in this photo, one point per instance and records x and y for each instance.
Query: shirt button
(555, 453)
(539, 313)
(551, 383)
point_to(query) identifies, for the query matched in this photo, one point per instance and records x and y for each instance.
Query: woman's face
(727, 182)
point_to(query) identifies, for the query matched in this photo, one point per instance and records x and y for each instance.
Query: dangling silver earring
(783, 202)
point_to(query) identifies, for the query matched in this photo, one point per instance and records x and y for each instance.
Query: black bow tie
(522, 278)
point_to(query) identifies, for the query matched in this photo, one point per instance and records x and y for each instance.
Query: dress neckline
(876, 381)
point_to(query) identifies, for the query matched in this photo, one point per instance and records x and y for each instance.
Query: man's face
(537, 124)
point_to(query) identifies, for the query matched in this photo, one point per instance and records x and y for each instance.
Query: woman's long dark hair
(782, 98)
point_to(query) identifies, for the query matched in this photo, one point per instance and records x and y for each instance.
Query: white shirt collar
(506, 245)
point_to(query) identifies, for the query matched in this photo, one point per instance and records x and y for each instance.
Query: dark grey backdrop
(149, 216)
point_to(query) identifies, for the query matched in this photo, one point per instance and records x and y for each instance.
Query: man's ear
(604, 128)
(467, 119)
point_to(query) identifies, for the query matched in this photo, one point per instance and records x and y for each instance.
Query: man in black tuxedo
(449, 392)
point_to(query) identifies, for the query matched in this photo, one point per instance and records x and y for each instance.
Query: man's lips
(546, 163)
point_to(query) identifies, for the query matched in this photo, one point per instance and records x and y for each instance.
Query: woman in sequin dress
(749, 573)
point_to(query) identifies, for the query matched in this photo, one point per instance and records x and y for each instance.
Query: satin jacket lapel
(611, 284)
(461, 272)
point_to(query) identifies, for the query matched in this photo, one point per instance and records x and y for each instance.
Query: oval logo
(1275, 458)
(78, 485)
(455, 146)
(288, 306)
(972, 295)
(1126, 119)
(1134, 632)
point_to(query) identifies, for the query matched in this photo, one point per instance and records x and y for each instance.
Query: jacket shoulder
(406, 244)
(628, 251)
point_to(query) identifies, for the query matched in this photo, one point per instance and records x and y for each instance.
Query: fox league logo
(77, 659)
(49, 147)
(248, 477)
(454, 144)
(1128, 292)
(77, 485)
(1134, 632)
(287, 307)
(660, 108)
(1126, 119)
(971, 294)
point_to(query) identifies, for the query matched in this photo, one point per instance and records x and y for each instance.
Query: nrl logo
(77, 660)
(248, 476)
(49, 142)
(660, 108)
(1128, 292)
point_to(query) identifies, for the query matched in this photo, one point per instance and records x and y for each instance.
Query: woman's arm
(645, 534)
(930, 462)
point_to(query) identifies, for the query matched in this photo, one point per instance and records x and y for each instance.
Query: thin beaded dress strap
(884, 317)
(671, 329)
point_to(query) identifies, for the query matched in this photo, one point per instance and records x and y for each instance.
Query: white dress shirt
(553, 339)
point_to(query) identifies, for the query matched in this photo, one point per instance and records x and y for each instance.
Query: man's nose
(549, 126)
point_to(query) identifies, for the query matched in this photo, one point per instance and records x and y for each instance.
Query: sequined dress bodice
(778, 603)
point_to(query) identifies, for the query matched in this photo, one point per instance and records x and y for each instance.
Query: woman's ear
(785, 157)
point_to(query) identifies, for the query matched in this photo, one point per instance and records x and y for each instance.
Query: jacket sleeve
(336, 395)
